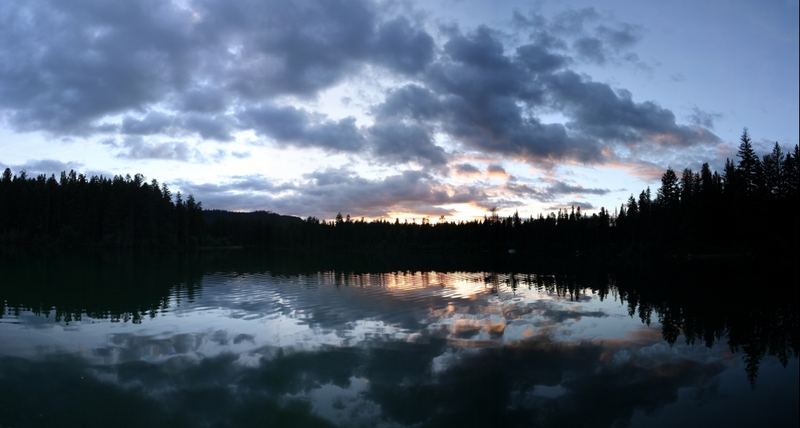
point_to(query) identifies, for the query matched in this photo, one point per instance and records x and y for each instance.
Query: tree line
(746, 209)
(75, 210)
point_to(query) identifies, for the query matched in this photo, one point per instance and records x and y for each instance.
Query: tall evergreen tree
(730, 179)
(773, 174)
(706, 180)
(645, 200)
(687, 185)
(749, 167)
(669, 192)
(791, 172)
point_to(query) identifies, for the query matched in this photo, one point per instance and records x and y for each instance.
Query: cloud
(411, 101)
(536, 58)
(292, 126)
(583, 205)
(466, 169)
(551, 191)
(207, 127)
(327, 192)
(495, 170)
(483, 97)
(597, 111)
(62, 67)
(573, 21)
(528, 191)
(403, 47)
(621, 37)
(217, 67)
(153, 77)
(703, 118)
(593, 37)
(591, 49)
(607, 43)
(136, 147)
(152, 123)
(301, 48)
(202, 99)
(401, 142)
(43, 166)
(560, 188)
(410, 191)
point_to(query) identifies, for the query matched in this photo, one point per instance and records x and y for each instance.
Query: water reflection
(185, 344)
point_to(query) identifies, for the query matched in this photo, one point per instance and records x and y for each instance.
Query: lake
(217, 343)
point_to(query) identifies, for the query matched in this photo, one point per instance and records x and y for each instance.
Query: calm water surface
(78, 347)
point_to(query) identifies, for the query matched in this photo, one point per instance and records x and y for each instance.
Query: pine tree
(669, 192)
(749, 168)
(633, 207)
(791, 172)
(687, 185)
(706, 180)
(772, 170)
(645, 201)
(730, 178)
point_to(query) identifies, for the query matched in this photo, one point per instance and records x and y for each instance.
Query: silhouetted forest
(75, 210)
(745, 210)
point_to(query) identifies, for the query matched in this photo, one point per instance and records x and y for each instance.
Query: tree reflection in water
(416, 347)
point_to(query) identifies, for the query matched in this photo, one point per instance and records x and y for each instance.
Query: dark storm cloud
(484, 97)
(63, 66)
(217, 127)
(403, 47)
(248, 192)
(551, 191)
(302, 47)
(466, 169)
(152, 123)
(204, 99)
(155, 122)
(607, 43)
(410, 101)
(590, 48)
(495, 169)
(480, 96)
(560, 188)
(290, 125)
(401, 142)
(536, 58)
(527, 191)
(598, 111)
(136, 147)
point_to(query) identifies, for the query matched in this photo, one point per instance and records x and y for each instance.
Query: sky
(389, 109)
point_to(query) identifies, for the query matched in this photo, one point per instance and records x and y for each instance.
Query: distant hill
(213, 216)
(255, 228)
